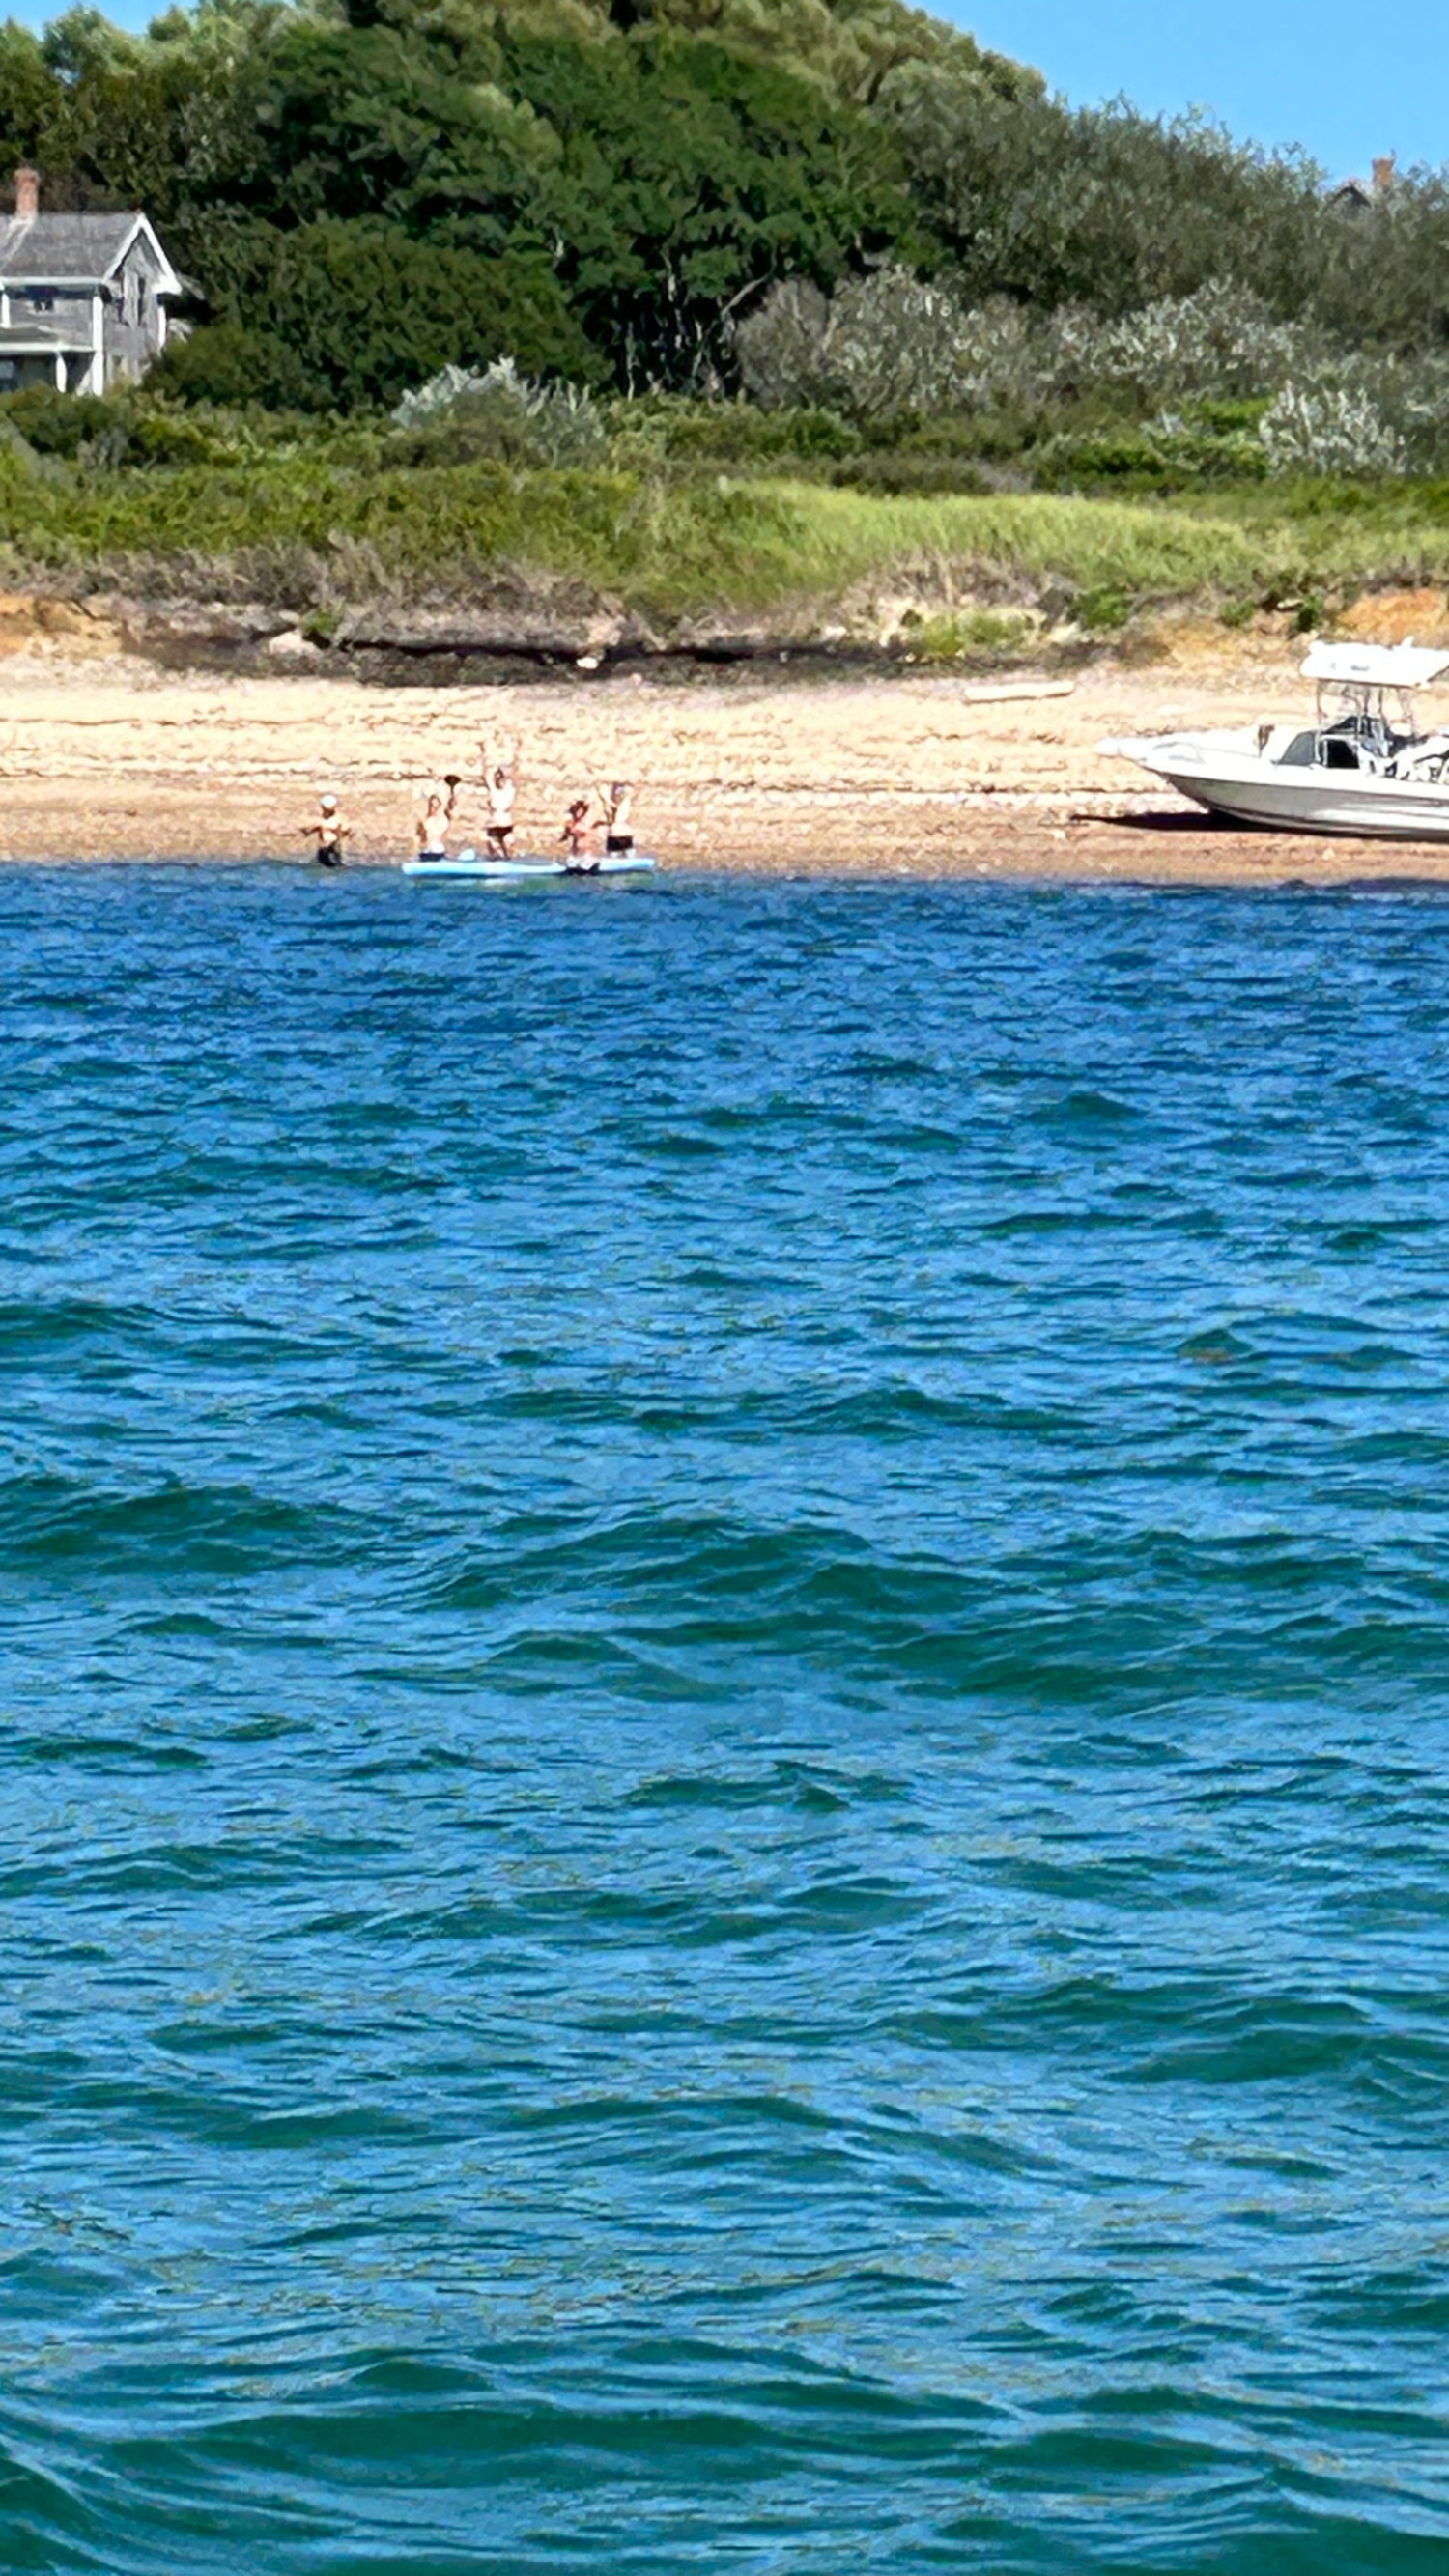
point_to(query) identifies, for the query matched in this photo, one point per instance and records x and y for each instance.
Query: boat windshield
(1366, 712)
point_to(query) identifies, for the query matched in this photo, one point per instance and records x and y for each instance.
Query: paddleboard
(526, 871)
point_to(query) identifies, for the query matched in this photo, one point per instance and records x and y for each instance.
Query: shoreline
(919, 776)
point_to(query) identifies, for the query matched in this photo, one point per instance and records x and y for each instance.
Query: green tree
(1098, 206)
(366, 310)
(846, 47)
(369, 188)
(1383, 269)
(690, 176)
(355, 122)
(29, 95)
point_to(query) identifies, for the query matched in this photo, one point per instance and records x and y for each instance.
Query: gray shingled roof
(50, 247)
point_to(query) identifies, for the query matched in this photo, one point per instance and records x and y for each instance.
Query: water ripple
(726, 1751)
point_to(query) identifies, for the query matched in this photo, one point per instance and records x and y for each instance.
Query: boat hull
(1274, 797)
(1358, 813)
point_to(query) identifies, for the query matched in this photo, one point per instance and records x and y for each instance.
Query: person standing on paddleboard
(501, 788)
(330, 830)
(616, 805)
(430, 826)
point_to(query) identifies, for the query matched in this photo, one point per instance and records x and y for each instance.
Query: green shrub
(970, 635)
(56, 424)
(902, 470)
(722, 434)
(1332, 429)
(1104, 609)
(889, 345)
(224, 363)
(1163, 456)
(459, 416)
(971, 436)
(153, 436)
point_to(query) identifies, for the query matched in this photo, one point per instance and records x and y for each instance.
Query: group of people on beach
(598, 824)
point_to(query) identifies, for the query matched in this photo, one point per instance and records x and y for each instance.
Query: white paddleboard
(527, 871)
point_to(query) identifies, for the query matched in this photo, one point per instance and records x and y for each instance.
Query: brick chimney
(1384, 174)
(27, 195)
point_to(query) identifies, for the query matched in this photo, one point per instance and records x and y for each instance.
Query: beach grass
(313, 528)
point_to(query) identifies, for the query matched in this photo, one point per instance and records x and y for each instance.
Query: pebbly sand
(896, 776)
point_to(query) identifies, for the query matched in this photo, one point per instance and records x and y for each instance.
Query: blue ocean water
(724, 1622)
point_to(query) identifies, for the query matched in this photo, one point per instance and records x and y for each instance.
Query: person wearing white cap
(330, 830)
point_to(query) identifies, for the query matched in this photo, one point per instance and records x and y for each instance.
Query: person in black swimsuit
(500, 783)
(616, 804)
(330, 831)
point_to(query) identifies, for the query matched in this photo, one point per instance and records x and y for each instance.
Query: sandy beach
(104, 756)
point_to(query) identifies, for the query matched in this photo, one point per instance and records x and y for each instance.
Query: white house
(82, 297)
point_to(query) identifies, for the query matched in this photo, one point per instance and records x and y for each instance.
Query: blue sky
(1276, 71)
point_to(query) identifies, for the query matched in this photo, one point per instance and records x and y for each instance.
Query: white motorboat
(1363, 766)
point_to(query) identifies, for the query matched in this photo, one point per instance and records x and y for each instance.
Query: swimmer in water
(580, 837)
(500, 784)
(330, 831)
(430, 825)
(616, 804)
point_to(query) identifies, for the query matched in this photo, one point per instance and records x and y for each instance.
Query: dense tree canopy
(365, 189)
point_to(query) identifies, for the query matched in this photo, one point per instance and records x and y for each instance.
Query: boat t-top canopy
(1376, 666)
